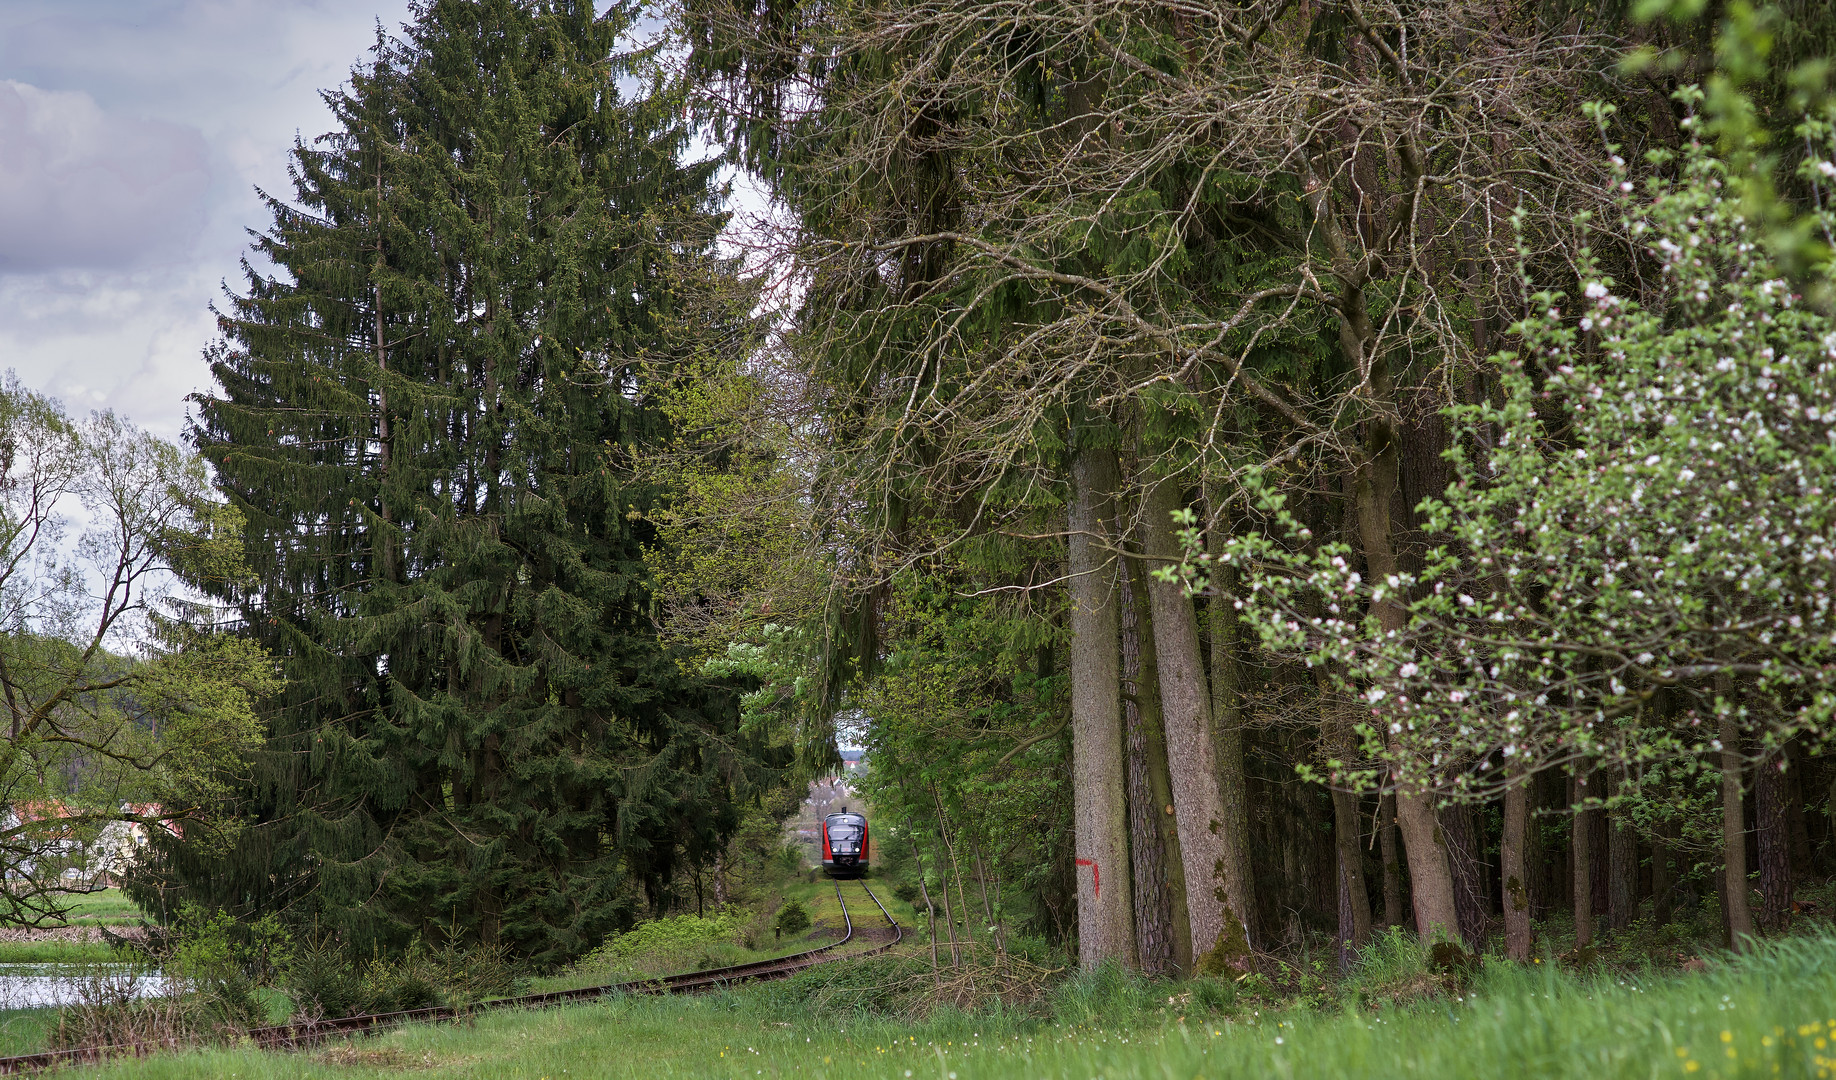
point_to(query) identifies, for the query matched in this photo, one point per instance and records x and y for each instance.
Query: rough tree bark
(1512, 870)
(1431, 885)
(1147, 849)
(1774, 842)
(1737, 912)
(1622, 869)
(1347, 833)
(1160, 781)
(1218, 929)
(1581, 863)
(1472, 900)
(1227, 716)
(1105, 906)
(1392, 865)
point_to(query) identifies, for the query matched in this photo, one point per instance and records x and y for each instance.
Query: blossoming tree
(1638, 550)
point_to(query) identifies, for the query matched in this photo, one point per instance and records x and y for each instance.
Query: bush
(793, 919)
(222, 963)
(666, 946)
(324, 981)
(109, 1011)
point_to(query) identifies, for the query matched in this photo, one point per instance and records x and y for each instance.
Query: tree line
(1245, 470)
(1286, 467)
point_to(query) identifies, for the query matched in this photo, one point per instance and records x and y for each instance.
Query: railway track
(282, 1036)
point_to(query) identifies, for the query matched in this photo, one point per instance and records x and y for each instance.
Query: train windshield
(844, 830)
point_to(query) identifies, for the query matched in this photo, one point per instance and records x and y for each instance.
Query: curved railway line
(284, 1036)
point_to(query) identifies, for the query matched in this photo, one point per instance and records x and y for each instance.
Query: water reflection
(34, 986)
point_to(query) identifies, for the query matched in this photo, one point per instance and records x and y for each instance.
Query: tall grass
(1770, 1015)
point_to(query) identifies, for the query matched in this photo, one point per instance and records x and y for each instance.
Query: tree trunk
(1354, 897)
(1160, 780)
(924, 890)
(1464, 845)
(1185, 703)
(1392, 866)
(1737, 914)
(1105, 916)
(1622, 869)
(1348, 922)
(956, 952)
(1147, 851)
(1661, 883)
(1597, 849)
(1774, 843)
(1581, 863)
(1227, 716)
(981, 881)
(1375, 485)
(1514, 879)
(1347, 831)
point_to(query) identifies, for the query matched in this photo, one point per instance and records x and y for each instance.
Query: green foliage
(224, 963)
(124, 700)
(429, 417)
(793, 919)
(671, 934)
(1643, 512)
(324, 981)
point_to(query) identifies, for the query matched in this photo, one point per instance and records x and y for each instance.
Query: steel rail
(291, 1035)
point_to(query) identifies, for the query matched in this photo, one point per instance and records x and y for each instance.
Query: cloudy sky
(132, 136)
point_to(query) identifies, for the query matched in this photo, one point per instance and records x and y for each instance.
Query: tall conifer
(426, 413)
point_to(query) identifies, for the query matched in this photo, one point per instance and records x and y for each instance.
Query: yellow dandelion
(1727, 1036)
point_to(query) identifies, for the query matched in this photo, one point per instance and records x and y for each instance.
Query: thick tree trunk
(1354, 898)
(1147, 851)
(1160, 781)
(1105, 906)
(1581, 863)
(1737, 913)
(1185, 701)
(1622, 869)
(1464, 845)
(1513, 878)
(1774, 843)
(1430, 878)
(1227, 716)
(1392, 865)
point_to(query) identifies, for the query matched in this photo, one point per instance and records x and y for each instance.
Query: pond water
(34, 986)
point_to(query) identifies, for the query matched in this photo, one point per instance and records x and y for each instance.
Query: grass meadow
(1771, 1015)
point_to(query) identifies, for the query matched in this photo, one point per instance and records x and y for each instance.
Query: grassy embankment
(666, 957)
(1773, 1015)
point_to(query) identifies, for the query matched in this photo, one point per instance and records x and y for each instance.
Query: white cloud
(132, 136)
(80, 187)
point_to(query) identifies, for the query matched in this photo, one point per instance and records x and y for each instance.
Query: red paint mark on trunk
(1096, 877)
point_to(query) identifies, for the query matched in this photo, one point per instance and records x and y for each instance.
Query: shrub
(793, 919)
(665, 946)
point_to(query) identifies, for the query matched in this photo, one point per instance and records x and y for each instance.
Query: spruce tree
(427, 413)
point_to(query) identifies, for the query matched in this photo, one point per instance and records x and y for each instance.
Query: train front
(844, 844)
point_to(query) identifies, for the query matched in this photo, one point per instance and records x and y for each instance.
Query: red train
(844, 844)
